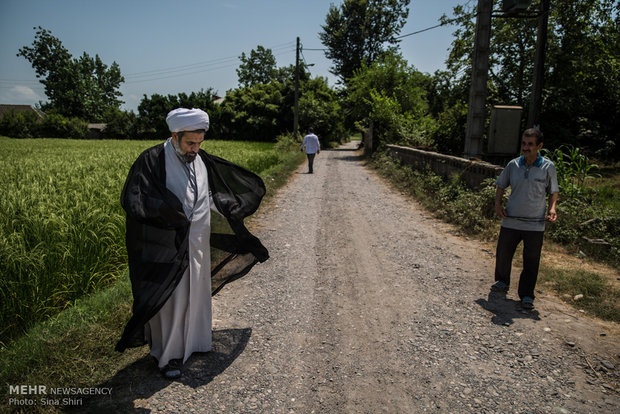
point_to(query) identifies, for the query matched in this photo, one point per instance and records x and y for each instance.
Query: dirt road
(369, 305)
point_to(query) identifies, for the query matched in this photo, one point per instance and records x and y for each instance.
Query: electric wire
(168, 72)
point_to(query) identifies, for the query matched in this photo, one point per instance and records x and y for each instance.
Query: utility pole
(533, 117)
(479, 74)
(296, 110)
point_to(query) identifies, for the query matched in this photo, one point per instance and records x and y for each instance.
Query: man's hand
(551, 216)
(500, 211)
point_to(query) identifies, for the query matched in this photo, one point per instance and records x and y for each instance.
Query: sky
(169, 47)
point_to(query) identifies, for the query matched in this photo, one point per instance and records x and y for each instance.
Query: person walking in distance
(312, 146)
(531, 177)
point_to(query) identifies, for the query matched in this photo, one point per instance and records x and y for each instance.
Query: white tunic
(183, 325)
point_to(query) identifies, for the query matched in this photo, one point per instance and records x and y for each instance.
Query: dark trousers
(310, 162)
(507, 243)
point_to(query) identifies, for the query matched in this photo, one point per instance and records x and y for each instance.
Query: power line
(413, 33)
(170, 72)
(421, 31)
(209, 69)
(192, 66)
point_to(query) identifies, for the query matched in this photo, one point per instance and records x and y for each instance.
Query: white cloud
(20, 95)
(24, 93)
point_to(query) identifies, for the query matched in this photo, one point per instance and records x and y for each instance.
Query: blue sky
(170, 47)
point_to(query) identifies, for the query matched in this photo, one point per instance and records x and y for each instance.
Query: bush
(57, 126)
(587, 226)
(573, 168)
(450, 130)
(24, 124)
(120, 125)
(286, 142)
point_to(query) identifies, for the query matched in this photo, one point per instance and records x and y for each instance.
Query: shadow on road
(352, 154)
(142, 379)
(506, 310)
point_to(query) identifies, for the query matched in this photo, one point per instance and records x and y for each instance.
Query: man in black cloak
(175, 262)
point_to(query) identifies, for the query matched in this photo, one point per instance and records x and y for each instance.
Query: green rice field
(61, 223)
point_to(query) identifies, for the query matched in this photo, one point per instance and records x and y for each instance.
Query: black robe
(157, 235)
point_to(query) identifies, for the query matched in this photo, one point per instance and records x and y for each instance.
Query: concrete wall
(472, 172)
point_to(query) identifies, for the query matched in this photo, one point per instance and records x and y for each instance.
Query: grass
(75, 348)
(72, 349)
(600, 298)
(473, 213)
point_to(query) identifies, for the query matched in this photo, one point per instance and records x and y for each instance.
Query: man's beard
(184, 157)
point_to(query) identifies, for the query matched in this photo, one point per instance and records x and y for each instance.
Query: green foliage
(53, 125)
(264, 111)
(573, 167)
(391, 95)
(287, 142)
(583, 81)
(581, 95)
(81, 87)
(588, 226)
(357, 32)
(57, 126)
(24, 124)
(319, 108)
(152, 112)
(61, 223)
(120, 124)
(259, 67)
(449, 133)
(252, 113)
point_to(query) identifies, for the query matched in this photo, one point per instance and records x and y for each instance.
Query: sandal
(172, 370)
(527, 302)
(500, 287)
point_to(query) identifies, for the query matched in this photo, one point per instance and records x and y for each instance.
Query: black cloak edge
(157, 235)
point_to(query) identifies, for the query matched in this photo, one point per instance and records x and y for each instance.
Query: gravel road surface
(369, 305)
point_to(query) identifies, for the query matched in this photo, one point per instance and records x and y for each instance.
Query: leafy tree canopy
(81, 87)
(360, 32)
(152, 111)
(581, 95)
(259, 67)
(392, 96)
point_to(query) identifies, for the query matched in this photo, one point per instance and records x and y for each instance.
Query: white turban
(183, 119)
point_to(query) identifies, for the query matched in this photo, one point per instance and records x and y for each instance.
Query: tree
(152, 112)
(392, 95)
(358, 31)
(264, 111)
(581, 94)
(582, 86)
(253, 113)
(259, 67)
(320, 109)
(85, 88)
